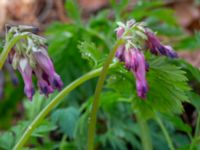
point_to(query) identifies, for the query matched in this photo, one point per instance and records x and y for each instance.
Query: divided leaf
(167, 88)
(66, 120)
(90, 52)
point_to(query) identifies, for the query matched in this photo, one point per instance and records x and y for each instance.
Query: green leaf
(73, 10)
(142, 8)
(44, 128)
(190, 42)
(178, 123)
(119, 6)
(164, 14)
(167, 88)
(6, 140)
(193, 73)
(163, 28)
(33, 107)
(194, 99)
(66, 119)
(90, 52)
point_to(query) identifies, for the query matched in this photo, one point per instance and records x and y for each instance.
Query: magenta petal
(56, 81)
(43, 85)
(120, 32)
(170, 52)
(140, 75)
(154, 44)
(130, 59)
(44, 62)
(26, 72)
(120, 52)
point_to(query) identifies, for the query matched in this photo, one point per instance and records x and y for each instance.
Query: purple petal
(43, 85)
(130, 59)
(120, 32)
(26, 71)
(154, 44)
(140, 75)
(120, 52)
(44, 62)
(47, 66)
(146, 66)
(170, 52)
(56, 81)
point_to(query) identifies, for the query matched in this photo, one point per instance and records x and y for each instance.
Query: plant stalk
(8, 47)
(145, 136)
(95, 105)
(165, 132)
(39, 118)
(196, 134)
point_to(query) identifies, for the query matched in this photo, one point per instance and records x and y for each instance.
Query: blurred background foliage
(80, 34)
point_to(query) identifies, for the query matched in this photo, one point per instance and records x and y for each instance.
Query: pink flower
(47, 79)
(140, 74)
(156, 47)
(46, 65)
(135, 62)
(30, 57)
(26, 72)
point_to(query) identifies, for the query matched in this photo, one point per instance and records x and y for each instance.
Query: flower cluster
(30, 57)
(136, 38)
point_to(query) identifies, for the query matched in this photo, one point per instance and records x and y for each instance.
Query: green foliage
(119, 6)
(73, 10)
(166, 79)
(117, 126)
(90, 52)
(66, 120)
(191, 42)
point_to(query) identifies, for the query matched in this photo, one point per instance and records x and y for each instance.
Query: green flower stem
(8, 47)
(63, 142)
(145, 136)
(95, 105)
(53, 103)
(165, 132)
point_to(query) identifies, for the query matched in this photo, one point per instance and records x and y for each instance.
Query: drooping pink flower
(26, 72)
(45, 63)
(157, 48)
(140, 74)
(43, 84)
(136, 37)
(30, 57)
(135, 62)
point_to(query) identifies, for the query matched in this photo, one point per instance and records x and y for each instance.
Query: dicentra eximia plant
(27, 52)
